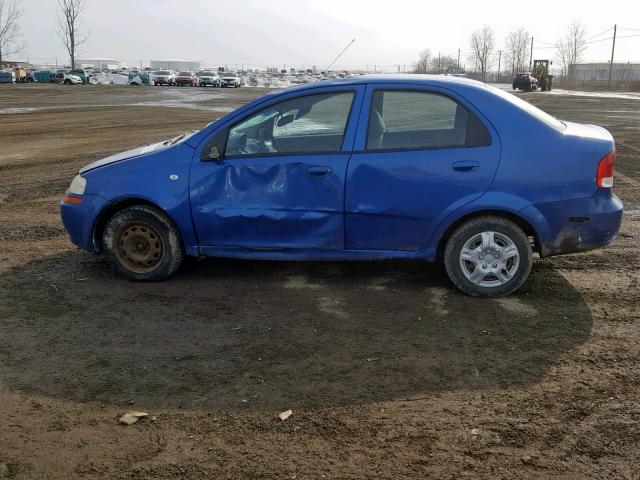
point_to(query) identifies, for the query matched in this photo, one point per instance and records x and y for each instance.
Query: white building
(599, 72)
(101, 63)
(176, 65)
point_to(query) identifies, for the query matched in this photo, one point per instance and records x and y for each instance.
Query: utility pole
(613, 49)
(439, 63)
(531, 54)
(458, 61)
(499, 59)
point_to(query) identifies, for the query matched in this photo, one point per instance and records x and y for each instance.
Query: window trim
(419, 149)
(352, 91)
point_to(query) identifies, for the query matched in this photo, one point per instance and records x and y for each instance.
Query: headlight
(78, 184)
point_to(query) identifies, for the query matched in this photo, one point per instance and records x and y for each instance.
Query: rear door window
(414, 120)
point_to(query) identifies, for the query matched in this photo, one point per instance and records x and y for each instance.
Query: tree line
(570, 48)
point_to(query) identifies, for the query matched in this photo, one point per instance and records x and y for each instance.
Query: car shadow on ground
(230, 333)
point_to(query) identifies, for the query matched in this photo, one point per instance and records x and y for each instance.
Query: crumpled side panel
(270, 202)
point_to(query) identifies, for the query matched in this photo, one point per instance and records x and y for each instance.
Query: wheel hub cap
(489, 259)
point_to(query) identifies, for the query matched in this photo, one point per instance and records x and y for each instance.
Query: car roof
(446, 81)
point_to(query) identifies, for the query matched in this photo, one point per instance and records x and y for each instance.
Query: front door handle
(465, 166)
(319, 171)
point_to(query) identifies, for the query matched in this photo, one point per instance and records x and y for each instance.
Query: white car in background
(164, 77)
(230, 79)
(208, 77)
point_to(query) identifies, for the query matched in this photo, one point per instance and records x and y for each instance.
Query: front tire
(143, 244)
(488, 256)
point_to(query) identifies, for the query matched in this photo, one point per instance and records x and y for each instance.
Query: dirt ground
(390, 372)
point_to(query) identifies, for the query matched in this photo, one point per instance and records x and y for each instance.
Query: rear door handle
(319, 171)
(465, 166)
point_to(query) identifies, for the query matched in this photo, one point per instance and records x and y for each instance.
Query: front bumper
(79, 219)
(578, 225)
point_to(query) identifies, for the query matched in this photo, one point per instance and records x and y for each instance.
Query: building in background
(102, 63)
(599, 72)
(176, 65)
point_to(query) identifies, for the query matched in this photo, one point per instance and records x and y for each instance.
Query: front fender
(160, 179)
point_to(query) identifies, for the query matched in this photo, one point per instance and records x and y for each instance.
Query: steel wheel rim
(489, 259)
(139, 247)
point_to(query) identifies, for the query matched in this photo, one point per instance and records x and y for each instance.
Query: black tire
(67, 82)
(142, 243)
(472, 228)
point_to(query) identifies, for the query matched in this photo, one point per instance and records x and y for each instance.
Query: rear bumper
(578, 225)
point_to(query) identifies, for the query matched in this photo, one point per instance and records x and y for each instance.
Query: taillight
(604, 178)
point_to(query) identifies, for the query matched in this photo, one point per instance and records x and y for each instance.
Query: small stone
(284, 415)
(132, 417)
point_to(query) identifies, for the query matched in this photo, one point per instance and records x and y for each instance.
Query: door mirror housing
(214, 153)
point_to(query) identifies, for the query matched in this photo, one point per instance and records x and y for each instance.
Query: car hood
(136, 152)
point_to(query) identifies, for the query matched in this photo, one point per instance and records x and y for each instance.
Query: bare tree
(69, 27)
(423, 65)
(10, 13)
(443, 64)
(482, 43)
(571, 47)
(516, 49)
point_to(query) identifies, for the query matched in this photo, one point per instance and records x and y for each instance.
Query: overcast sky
(312, 32)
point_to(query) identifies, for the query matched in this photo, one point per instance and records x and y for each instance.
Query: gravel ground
(390, 372)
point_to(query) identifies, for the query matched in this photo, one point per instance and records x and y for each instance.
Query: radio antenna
(339, 55)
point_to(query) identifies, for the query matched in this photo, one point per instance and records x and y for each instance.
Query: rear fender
(492, 202)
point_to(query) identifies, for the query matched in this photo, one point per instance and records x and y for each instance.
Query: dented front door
(271, 202)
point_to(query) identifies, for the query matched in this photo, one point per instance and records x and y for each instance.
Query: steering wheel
(265, 140)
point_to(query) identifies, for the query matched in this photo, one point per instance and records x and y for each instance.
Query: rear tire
(142, 243)
(488, 256)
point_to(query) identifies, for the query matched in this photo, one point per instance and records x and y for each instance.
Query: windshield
(553, 122)
(230, 74)
(185, 74)
(163, 72)
(206, 72)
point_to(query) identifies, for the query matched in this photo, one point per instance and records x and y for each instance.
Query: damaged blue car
(373, 167)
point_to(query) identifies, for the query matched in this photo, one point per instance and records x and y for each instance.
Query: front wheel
(142, 243)
(488, 257)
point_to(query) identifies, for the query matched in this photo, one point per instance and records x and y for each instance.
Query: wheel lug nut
(495, 265)
(484, 265)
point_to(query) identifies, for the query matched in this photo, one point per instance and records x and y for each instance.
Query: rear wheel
(142, 243)
(488, 257)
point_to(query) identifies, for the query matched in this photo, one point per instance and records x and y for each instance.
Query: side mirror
(214, 153)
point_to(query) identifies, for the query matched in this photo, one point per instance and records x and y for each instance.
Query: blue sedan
(374, 167)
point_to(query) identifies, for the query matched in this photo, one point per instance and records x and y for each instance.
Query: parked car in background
(7, 76)
(230, 79)
(208, 77)
(66, 78)
(525, 81)
(82, 73)
(379, 166)
(186, 78)
(24, 76)
(164, 77)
